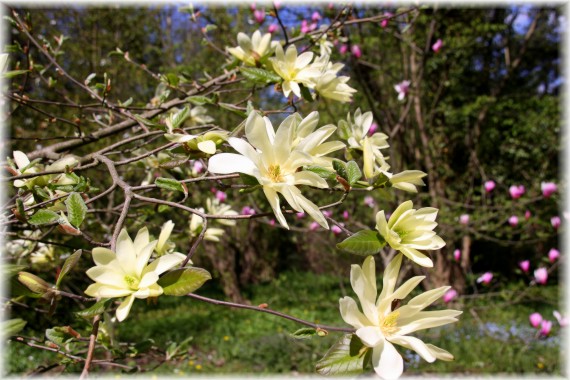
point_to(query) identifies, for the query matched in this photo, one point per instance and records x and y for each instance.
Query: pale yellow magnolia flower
(21, 160)
(409, 230)
(269, 156)
(294, 69)
(197, 225)
(251, 50)
(214, 207)
(329, 84)
(379, 327)
(127, 272)
(163, 245)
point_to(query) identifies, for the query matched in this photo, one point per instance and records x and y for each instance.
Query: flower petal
(103, 256)
(164, 263)
(245, 148)
(350, 313)
(125, 251)
(124, 309)
(141, 240)
(414, 344)
(143, 257)
(164, 235)
(226, 163)
(371, 336)
(417, 257)
(106, 291)
(148, 279)
(390, 273)
(107, 276)
(387, 362)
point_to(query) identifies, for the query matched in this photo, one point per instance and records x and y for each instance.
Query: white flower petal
(350, 313)
(124, 309)
(273, 199)
(164, 263)
(387, 362)
(414, 344)
(164, 235)
(142, 239)
(207, 146)
(103, 256)
(107, 276)
(226, 163)
(125, 251)
(143, 256)
(106, 291)
(148, 279)
(371, 336)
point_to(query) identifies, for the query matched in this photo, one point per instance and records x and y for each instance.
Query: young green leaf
(9, 270)
(260, 76)
(363, 243)
(322, 172)
(95, 309)
(306, 94)
(59, 335)
(76, 209)
(180, 282)
(180, 117)
(353, 172)
(304, 333)
(345, 357)
(169, 184)
(68, 265)
(199, 100)
(340, 168)
(12, 326)
(33, 282)
(43, 217)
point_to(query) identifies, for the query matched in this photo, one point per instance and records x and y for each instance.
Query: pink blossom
(373, 129)
(345, 215)
(524, 265)
(555, 221)
(402, 89)
(562, 321)
(513, 221)
(437, 46)
(343, 49)
(384, 23)
(259, 15)
(527, 214)
(330, 6)
(313, 26)
(449, 295)
(221, 196)
(485, 278)
(336, 230)
(489, 186)
(246, 210)
(369, 201)
(272, 222)
(356, 52)
(300, 215)
(198, 166)
(535, 319)
(541, 276)
(314, 226)
(548, 188)
(545, 327)
(277, 4)
(305, 27)
(553, 255)
(464, 219)
(457, 254)
(272, 28)
(516, 191)
(316, 16)
(252, 7)
(327, 213)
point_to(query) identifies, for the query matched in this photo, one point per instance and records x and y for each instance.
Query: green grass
(491, 337)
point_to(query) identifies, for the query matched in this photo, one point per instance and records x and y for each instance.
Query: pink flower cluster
(516, 191)
(485, 278)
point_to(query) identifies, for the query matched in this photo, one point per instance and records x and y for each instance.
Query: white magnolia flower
(329, 84)
(379, 327)
(127, 271)
(252, 50)
(197, 225)
(310, 141)
(270, 157)
(23, 167)
(409, 230)
(294, 69)
(214, 207)
(163, 245)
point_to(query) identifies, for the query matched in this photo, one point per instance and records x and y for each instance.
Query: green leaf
(340, 168)
(260, 76)
(180, 282)
(20, 208)
(9, 270)
(43, 217)
(248, 180)
(322, 172)
(345, 357)
(231, 108)
(169, 184)
(76, 209)
(363, 243)
(59, 335)
(306, 94)
(95, 309)
(199, 100)
(33, 282)
(68, 265)
(12, 326)
(13, 73)
(353, 172)
(304, 333)
(180, 117)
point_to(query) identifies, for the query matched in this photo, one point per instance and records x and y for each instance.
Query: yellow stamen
(390, 324)
(274, 173)
(132, 282)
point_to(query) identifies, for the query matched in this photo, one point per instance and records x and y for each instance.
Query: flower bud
(33, 282)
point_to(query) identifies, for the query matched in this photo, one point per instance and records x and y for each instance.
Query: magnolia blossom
(535, 319)
(259, 15)
(246, 210)
(345, 215)
(300, 215)
(553, 255)
(127, 272)
(402, 89)
(485, 278)
(316, 16)
(294, 70)
(525, 266)
(545, 327)
(356, 52)
(272, 28)
(24, 166)
(437, 45)
(270, 158)
(314, 226)
(379, 326)
(562, 321)
(489, 186)
(221, 196)
(516, 191)
(327, 213)
(409, 230)
(336, 230)
(343, 49)
(369, 201)
(373, 129)
(548, 188)
(329, 84)
(464, 219)
(555, 221)
(449, 295)
(163, 245)
(386, 20)
(457, 254)
(513, 220)
(254, 49)
(527, 215)
(541, 276)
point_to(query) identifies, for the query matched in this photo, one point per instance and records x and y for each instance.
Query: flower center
(390, 324)
(274, 173)
(132, 282)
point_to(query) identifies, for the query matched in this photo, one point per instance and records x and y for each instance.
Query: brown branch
(92, 341)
